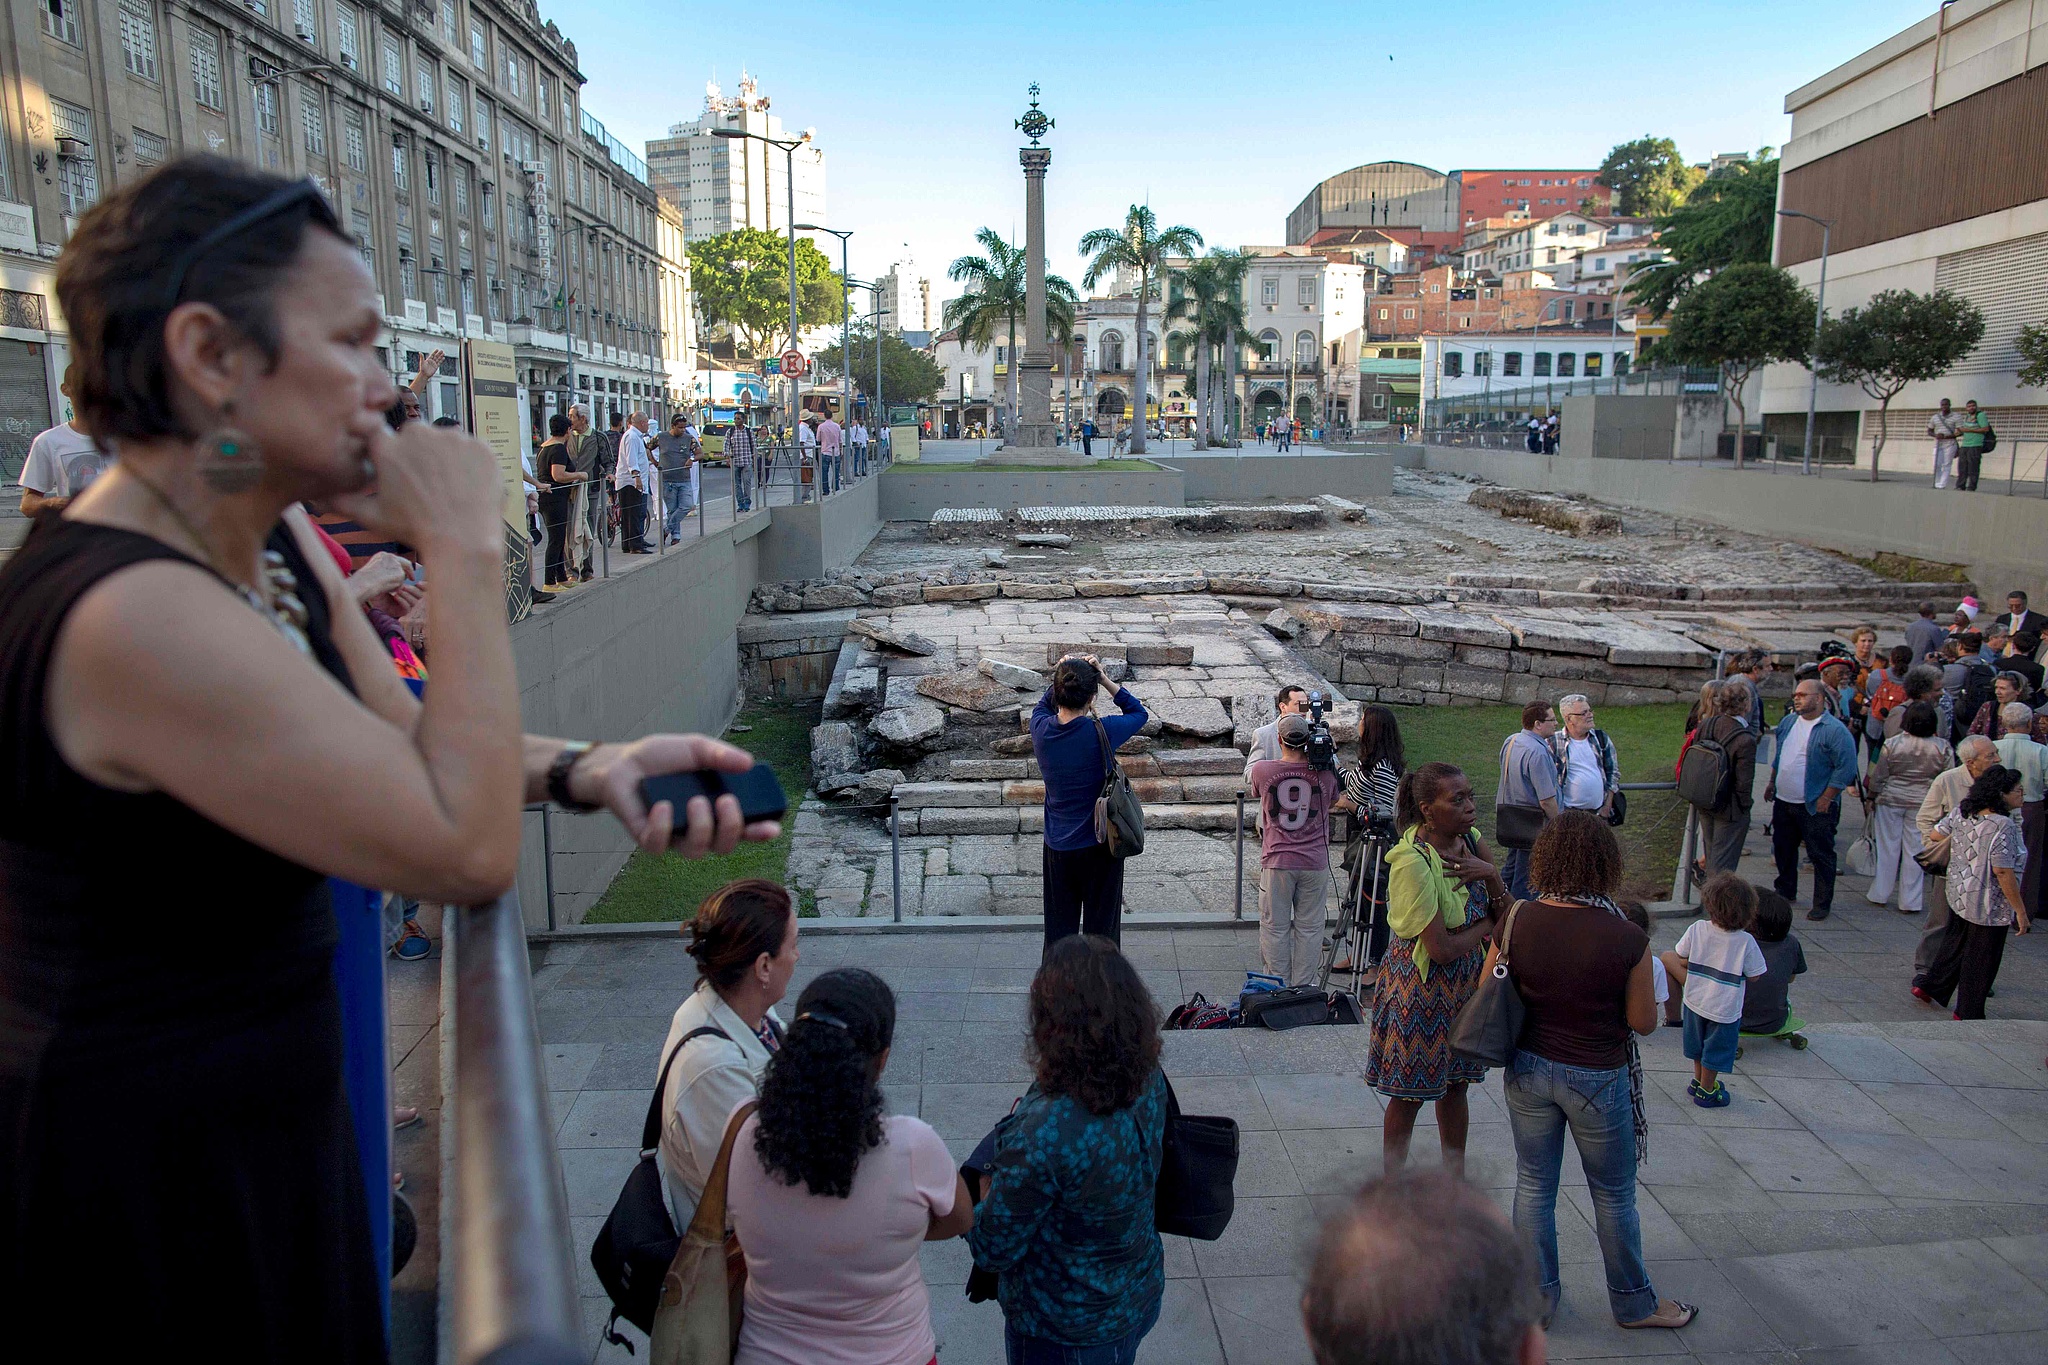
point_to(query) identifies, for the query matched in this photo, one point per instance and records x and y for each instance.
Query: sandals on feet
(1670, 1313)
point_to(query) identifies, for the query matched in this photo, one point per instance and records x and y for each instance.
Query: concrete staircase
(1183, 789)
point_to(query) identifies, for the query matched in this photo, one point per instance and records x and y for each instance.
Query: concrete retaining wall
(805, 540)
(1257, 478)
(2002, 541)
(656, 649)
(913, 494)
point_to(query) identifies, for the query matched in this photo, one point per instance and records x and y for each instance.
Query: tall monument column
(1035, 427)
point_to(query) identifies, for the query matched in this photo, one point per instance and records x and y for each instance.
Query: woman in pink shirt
(831, 1198)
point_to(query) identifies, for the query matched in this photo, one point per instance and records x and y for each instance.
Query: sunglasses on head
(284, 200)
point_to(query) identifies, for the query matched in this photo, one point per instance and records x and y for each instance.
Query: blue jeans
(1019, 1349)
(1543, 1100)
(1515, 872)
(675, 499)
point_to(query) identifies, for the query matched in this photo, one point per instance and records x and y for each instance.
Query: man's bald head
(1422, 1270)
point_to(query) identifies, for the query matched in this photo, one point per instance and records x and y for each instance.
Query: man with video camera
(1296, 797)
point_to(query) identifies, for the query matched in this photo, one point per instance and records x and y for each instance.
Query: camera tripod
(1360, 911)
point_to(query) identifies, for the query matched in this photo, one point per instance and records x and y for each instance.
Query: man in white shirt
(631, 480)
(1944, 427)
(62, 463)
(859, 439)
(1591, 769)
(807, 450)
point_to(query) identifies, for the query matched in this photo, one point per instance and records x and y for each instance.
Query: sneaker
(413, 944)
(1717, 1098)
(1692, 1088)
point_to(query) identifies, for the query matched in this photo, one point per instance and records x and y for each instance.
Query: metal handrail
(508, 1273)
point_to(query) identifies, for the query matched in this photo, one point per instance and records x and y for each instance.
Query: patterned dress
(1416, 1000)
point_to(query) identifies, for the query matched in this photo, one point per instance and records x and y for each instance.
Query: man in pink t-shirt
(1294, 854)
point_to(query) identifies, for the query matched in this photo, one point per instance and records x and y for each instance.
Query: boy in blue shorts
(1719, 959)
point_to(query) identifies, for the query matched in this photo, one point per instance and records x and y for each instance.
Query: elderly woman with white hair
(1906, 767)
(1974, 754)
(2018, 750)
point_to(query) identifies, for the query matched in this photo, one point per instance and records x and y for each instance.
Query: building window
(347, 37)
(78, 176)
(1269, 290)
(430, 168)
(60, 20)
(1511, 364)
(1383, 315)
(458, 97)
(1304, 348)
(1592, 364)
(448, 33)
(568, 108)
(150, 149)
(304, 21)
(1454, 365)
(1305, 291)
(394, 67)
(483, 124)
(138, 39)
(1566, 364)
(266, 107)
(1379, 402)
(1112, 347)
(479, 49)
(1621, 362)
(1408, 314)
(462, 195)
(1542, 370)
(313, 124)
(540, 97)
(206, 67)
(1482, 362)
(514, 70)
(352, 139)
(398, 169)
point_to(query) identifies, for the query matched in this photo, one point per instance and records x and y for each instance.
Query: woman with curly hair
(831, 1199)
(1439, 885)
(1066, 1217)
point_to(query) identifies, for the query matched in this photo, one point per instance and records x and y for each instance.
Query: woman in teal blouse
(1440, 883)
(1066, 1221)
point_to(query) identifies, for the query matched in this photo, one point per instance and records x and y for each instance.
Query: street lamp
(1820, 299)
(788, 147)
(845, 324)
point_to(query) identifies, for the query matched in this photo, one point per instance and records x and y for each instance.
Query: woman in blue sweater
(1084, 883)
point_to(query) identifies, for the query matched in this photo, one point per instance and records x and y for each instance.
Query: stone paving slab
(1882, 1196)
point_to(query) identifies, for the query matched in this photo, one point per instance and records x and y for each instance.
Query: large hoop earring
(228, 459)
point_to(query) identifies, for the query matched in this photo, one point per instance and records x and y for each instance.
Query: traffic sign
(793, 362)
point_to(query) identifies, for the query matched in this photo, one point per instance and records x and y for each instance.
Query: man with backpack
(1588, 770)
(1717, 775)
(1968, 682)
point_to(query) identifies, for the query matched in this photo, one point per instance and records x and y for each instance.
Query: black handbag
(1197, 1173)
(638, 1240)
(1618, 812)
(1516, 827)
(1119, 818)
(1488, 1028)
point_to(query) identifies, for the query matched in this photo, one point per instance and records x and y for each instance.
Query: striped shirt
(1718, 965)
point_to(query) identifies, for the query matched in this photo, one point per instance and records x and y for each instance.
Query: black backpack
(1706, 774)
(638, 1240)
(1980, 681)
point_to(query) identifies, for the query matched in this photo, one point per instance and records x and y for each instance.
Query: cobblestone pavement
(1425, 531)
(1882, 1197)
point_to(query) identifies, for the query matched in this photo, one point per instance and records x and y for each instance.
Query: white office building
(723, 183)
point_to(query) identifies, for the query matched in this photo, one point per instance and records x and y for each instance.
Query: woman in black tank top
(197, 728)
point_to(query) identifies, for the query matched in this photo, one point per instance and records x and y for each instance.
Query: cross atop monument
(1034, 122)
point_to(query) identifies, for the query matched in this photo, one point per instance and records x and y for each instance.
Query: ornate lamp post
(1034, 371)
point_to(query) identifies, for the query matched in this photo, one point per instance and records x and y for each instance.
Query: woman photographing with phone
(1440, 884)
(192, 708)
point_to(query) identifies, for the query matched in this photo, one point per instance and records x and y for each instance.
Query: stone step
(1155, 792)
(1163, 763)
(1030, 819)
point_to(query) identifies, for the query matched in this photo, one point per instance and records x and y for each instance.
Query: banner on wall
(498, 419)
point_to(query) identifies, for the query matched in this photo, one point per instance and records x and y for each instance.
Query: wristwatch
(558, 777)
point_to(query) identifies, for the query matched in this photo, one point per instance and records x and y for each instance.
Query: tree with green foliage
(1648, 176)
(908, 374)
(994, 304)
(1896, 339)
(741, 282)
(1209, 295)
(1741, 319)
(1140, 247)
(2032, 344)
(1727, 220)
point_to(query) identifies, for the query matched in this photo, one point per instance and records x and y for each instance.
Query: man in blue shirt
(1084, 882)
(1814, 764)
(1924, 635)
(1528, 777)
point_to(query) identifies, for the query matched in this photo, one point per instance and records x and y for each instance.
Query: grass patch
(960, 467)
(1906, 569)
(669, 888)
(1646, 738)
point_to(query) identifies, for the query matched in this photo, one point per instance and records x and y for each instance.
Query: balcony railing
(508, 1271)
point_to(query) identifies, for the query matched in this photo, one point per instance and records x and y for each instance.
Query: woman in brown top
(1584, 974)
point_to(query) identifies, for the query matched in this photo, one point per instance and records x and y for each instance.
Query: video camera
(1321, 747)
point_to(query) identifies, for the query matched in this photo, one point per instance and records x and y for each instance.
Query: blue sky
(1222, 116)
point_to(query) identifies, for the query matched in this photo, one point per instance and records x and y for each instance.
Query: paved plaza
(1881, 1197)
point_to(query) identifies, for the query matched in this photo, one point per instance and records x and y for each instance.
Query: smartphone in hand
(759, 791)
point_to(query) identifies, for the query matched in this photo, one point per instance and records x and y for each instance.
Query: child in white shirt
(1719, 958)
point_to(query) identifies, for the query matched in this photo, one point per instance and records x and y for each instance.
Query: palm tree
(1211, 297)
(1232, 267)
(994, 304)
(1139, 246)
